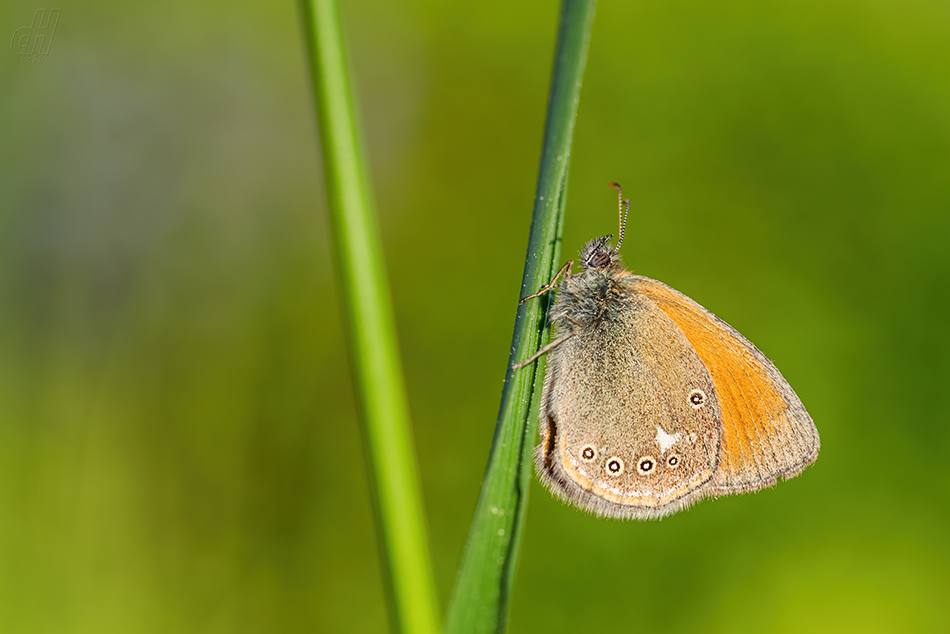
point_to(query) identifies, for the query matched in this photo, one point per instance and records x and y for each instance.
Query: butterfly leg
(544, 289)
(545, 349)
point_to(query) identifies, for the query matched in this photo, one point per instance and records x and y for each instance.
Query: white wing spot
(665, 440)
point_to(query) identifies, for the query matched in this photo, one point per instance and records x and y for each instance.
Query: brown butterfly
(651, 402)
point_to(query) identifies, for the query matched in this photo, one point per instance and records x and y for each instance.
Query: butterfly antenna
(624, 207)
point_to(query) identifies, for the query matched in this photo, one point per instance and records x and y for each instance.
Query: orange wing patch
(766, 431)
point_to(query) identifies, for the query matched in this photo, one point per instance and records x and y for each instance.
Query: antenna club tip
(614, 185)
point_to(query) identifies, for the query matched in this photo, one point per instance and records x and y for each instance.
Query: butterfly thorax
(591, 297)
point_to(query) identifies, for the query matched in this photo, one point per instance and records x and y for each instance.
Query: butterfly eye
(673, 461)
(600, 260)
(588, 453)
(697, 398)
(615, 466)
(646, 465)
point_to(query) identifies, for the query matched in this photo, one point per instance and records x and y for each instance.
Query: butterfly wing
(619, 435)
(766, 432)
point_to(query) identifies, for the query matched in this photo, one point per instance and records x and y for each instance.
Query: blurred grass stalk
(480, 600)
(370, 328)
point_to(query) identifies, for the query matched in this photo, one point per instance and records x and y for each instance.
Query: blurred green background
(178, 443)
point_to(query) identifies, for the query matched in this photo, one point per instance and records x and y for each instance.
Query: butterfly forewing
(766, 432)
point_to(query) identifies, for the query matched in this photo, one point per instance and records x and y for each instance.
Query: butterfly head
(598, 254)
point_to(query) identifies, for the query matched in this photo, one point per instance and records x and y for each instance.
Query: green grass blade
(480, 601)
(371, 331)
